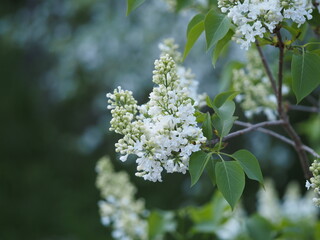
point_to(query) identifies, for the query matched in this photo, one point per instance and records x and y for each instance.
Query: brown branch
(280, 71)
(266, 67)
(298, 146)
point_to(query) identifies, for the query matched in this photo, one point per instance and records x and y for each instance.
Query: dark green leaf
(195, 28)
(207, 127)
(249, 164)
(216, 26)
(220, 46)
(210, 170)
(132, 5)
(305, 74)
(197, 163)
(221, 98)
(230, 180)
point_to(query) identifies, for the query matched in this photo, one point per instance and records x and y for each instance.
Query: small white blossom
(308, 185)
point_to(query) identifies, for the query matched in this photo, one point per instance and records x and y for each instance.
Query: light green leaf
(230, 180)
(194, 21)
(226, 110)
(200, 116)
(132, 5)
(207, 127)
(195, 28)
(317, 51)
(209, 102)
(197, 163)
(220, 46)
(216, 27)
(221, 98)
(249, 164)
(305, 71)
(223, 126)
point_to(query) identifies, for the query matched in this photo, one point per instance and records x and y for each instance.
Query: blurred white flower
(119, 209)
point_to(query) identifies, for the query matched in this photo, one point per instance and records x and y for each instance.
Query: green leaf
(227, 73)
(216, 27)
(210, 170)
(305, 70)
(207, 127)
(195, 28)
(200, 116)
(293, 31)
(194, 21)
(317, 51)
(221, 98)
(249, 164)
(220, 46)
(132, 5)
(223, 126)
(209, 102)
(230, 180)
(197, 163)
(226, 110)
(160, 222)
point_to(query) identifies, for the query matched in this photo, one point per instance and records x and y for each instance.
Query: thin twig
(266, 67)
(304, 108)
(279, 136)
(250, 128)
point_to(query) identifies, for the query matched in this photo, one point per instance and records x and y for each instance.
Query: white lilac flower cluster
(119, 208)
(186, 77)
(293, 206)
(253, 18)
(315, 181)
(256, 95)
(165, 133)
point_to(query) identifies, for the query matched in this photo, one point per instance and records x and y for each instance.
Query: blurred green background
(58, 59)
